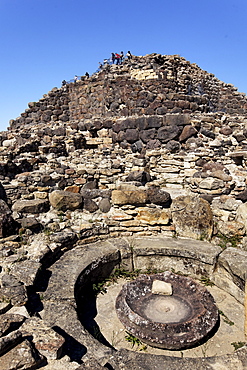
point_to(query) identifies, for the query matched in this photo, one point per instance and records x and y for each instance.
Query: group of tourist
(119, 58)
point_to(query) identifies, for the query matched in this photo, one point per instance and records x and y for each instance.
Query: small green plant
(225, 318)
(178, 272)
(238, 345)
(135, 342)
(151, 271)
(47, 231)
(203, 235)
(132, 243)
(206, 281)
(225, 241)
(122, 273)
(100, 287)
(61, 216)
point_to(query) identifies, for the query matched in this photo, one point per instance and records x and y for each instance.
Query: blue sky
(45, 41)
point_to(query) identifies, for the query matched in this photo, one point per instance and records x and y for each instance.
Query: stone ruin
(116, 170)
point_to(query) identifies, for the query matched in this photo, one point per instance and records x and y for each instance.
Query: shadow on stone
(71, 347)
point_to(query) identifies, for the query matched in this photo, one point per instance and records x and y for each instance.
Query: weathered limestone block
(226, 202)
(10, 322)
(16, 295)
(219, 174)
(211, 183)
(9, 340)
(235, 262)
(241, 214)
(26, 271)
(192, 217)
(31, 206)
(64, 200)
(135, 197)
(161, 287)
(231, 228)
(46, 340)
(23, 356)
(73, 189)
(153, 216)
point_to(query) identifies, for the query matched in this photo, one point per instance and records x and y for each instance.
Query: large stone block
(168, 133)
(31, 206)
(135, 197)
(153, 216)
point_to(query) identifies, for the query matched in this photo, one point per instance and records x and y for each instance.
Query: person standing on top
(117, 58)
(121, 57)
(113, 57)
(129, 55)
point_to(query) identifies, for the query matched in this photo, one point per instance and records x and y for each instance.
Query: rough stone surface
(23, 356)
(63, 200)
(46, 340)
(31, 206)
(192, 217)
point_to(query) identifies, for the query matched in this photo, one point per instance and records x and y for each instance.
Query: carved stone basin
(177, 321)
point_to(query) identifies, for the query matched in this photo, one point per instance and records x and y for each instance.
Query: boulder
(242, 196)
(188, 131)
(90, 205)
(192, 217)
(65, 200)
(158, 196)
(105, 205)
(8, 225)
(141, 176)
(167, 133)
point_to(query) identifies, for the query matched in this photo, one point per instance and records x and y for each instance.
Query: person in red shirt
(117, 56)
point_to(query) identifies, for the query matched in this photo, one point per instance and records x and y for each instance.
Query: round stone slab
(177, 321)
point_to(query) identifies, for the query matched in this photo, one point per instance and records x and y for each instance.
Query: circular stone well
(176, 321)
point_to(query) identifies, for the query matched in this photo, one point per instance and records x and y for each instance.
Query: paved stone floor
(230, 329)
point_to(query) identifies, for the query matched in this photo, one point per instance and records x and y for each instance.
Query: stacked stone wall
(151, 85)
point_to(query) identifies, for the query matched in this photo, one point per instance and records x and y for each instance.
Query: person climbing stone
(87, 75)
(64, 83)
